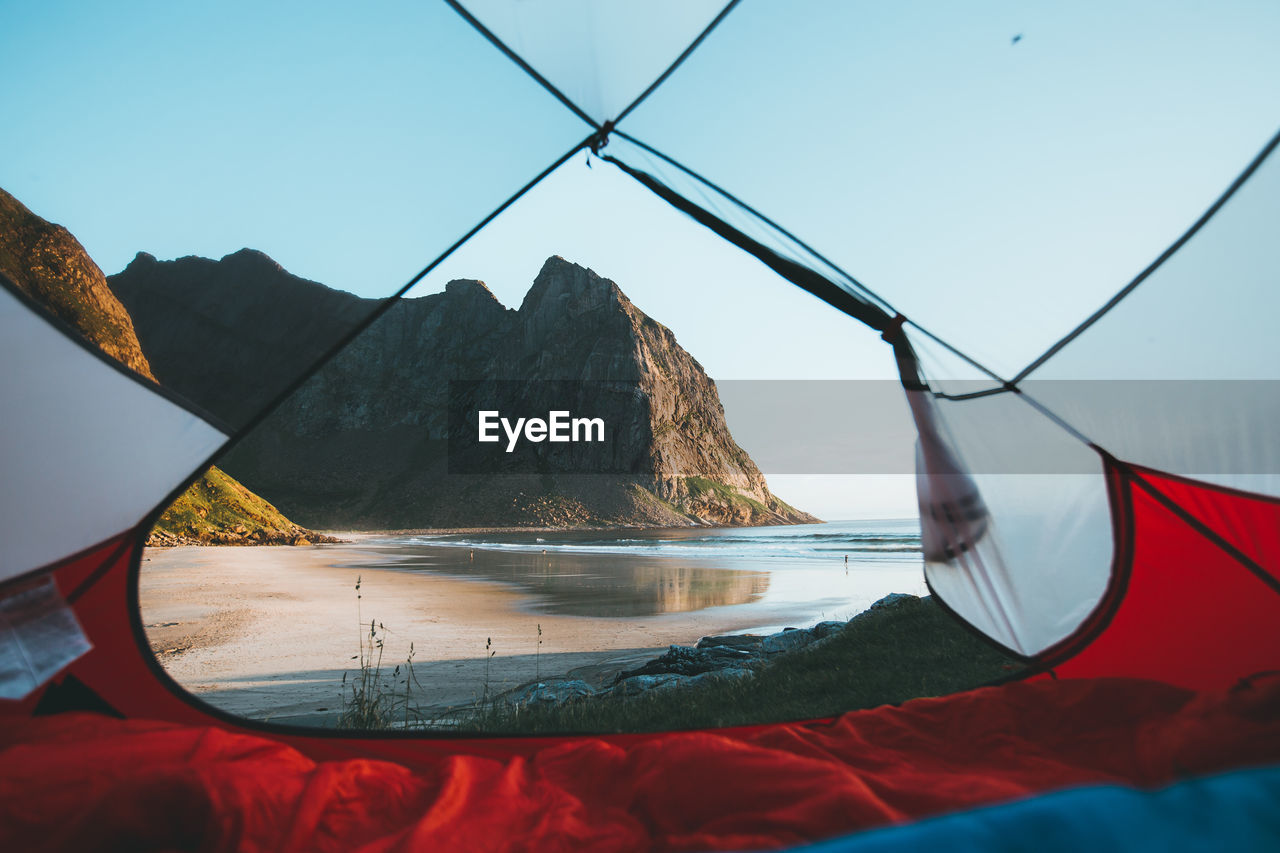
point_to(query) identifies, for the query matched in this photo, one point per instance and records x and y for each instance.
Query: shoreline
(269, 633)
(348, 536)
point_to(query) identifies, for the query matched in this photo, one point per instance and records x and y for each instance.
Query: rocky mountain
(367, 441)
(231, 334)
(48, 264)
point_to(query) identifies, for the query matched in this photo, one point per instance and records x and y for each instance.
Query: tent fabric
(1125, 571)
(89, 447)
(1131, 571)
(1200, 588)
(1064, 546)
(1039, 573)
(1038, 562)
(1230, 811)
(87, 455)
(1051, 226)
(1035, 575)
(1185, 308)
(85, 781)
(600, 57)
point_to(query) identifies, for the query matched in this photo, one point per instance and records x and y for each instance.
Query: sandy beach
(268, 632)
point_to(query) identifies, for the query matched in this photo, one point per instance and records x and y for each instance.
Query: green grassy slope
(218, 510)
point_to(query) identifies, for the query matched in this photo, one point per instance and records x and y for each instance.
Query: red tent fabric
(1194, 599)
(201, 780)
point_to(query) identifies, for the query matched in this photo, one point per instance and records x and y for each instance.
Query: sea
(766, 578)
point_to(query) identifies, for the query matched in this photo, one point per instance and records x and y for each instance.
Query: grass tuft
(375, 701)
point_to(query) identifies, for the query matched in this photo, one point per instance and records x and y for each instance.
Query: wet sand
(268, 632)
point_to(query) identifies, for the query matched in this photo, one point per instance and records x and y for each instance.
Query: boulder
(637, 684)
(787, 640)
(893, 599)
(736, 673)
(551, 691)
(744, 642)
(682, 660)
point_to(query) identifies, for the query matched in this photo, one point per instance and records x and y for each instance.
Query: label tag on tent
(39, 635)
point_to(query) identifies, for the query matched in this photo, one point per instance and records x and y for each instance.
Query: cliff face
(48, 264)
(364, 442)
(574, 324)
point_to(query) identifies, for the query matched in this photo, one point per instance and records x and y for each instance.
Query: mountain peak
(557, 266)
(470, 288)
(559, 261)
(254, 258)
(562, 284)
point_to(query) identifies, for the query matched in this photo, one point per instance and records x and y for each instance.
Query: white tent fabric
(1023, 557)
(601, 56)
(1170, 378)
(88, 449)
(1031, 181)
(1182, 375)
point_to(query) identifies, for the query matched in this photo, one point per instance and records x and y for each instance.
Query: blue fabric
(1237, 811)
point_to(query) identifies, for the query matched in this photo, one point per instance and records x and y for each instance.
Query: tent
(1150, 618)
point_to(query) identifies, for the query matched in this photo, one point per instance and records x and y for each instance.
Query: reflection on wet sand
(589, 585)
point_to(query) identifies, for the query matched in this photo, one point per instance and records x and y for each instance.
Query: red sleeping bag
(82, 781)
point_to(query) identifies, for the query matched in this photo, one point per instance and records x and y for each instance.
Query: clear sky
(995, 191)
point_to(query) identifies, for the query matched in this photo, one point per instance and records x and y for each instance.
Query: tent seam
(1151, 268)
(1200, 526)
(688, 51)
(519, 61)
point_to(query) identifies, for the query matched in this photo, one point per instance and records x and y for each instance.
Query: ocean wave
(721, 544)
(738, 545)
